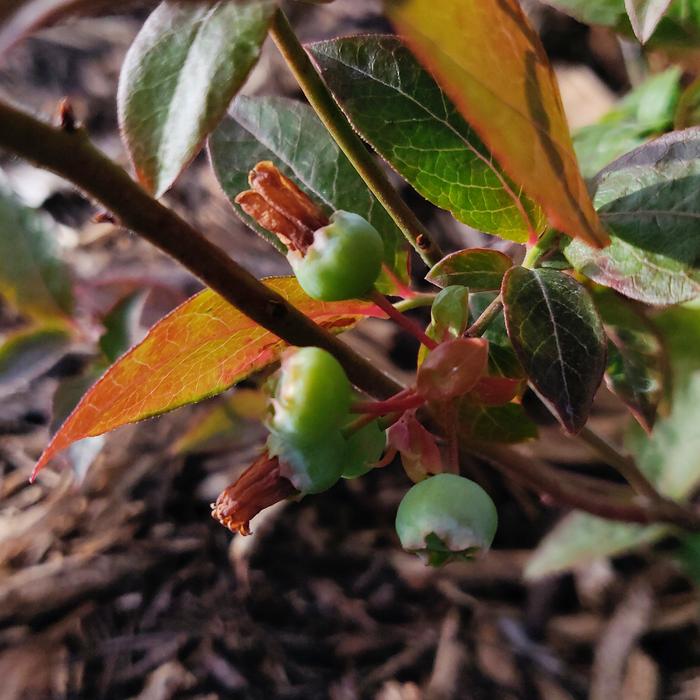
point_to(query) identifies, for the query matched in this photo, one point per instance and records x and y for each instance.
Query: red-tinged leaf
(419, 452)
(495, 391)
(452, 369)
(479, 269)
(490, 61)
(198, 350)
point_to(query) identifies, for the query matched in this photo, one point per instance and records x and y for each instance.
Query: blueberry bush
(600, 282)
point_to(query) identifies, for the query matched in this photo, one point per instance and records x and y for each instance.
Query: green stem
(541, 248)
(71, 155)
(416, 302)
(332, 116)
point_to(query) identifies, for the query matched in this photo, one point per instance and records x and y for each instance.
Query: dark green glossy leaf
(501, 424)
(559, 339)
(32, 276)
(289, 134)
(180, 75)
(401, 111)
(648, 201)
(479, 269)
(637, 362)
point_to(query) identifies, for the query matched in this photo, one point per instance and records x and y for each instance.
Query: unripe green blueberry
(344, 260)
(446, 517)
(313, 394)
(364, 448)
(312, 467)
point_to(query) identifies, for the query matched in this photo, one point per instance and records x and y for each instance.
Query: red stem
(403, 401)
(406, 323)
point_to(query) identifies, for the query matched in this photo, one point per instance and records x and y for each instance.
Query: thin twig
(406, 323)
(488, 316)
(320, 98)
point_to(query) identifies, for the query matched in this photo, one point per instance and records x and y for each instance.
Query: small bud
(446, 518)
(66, 116)
(417, 446)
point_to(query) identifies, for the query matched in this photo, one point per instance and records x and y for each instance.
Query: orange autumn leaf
(490, 61)
(198, 350)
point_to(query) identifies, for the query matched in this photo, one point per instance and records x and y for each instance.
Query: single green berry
(344, 260)
(312, 467)
(312, 396)
(364, 448)
(446, 517)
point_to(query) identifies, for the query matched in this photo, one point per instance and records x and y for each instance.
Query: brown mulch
(121, 586)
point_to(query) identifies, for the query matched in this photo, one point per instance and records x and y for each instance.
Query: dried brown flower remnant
(280, 207)
(259, 487)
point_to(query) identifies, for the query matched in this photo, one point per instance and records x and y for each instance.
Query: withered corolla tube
(260, 486)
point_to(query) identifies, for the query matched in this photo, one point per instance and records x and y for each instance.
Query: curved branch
(70, 154)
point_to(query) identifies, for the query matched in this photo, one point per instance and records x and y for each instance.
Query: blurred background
(115, 582)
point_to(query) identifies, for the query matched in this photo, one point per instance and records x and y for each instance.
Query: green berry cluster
(310, 410)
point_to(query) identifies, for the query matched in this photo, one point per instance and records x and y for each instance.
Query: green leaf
(645, 16)
(397, 107)
(27, 354)
(501, 424)
(637, 360)
(645, 112)
(32, 276)
(648, 200)
(479, 269)
(580, 539)
(289, 134)
(558, 337)
(179, 76)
